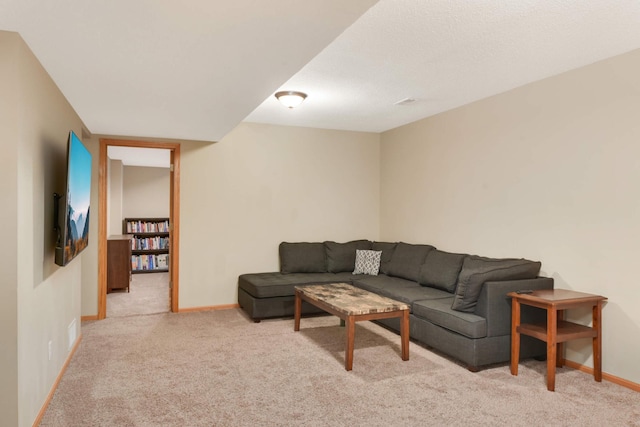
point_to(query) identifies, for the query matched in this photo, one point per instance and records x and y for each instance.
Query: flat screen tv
(73, 232)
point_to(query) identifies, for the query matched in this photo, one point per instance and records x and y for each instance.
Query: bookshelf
(149, 244)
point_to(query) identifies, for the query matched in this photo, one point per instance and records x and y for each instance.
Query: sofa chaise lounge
(458, 302)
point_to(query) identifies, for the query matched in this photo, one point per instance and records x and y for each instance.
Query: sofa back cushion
(407, 260)
(302, 258)
(477, 270)
(440, 270)
(342, 256)
(387, 252)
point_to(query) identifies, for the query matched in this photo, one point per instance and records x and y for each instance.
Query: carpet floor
(148, 294)
(218, 368)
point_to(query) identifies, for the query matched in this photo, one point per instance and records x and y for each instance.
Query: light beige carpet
(220, 369)
(148, 294)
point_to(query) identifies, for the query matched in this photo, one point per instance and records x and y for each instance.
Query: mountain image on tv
(75, 233)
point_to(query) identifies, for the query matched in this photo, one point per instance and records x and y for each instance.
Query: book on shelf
(147, 226)
(149, 243)
(149, 262)
(162, 261)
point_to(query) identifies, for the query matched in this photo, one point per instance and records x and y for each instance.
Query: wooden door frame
(174, 218)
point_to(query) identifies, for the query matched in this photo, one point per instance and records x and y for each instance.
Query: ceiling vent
(405, 101)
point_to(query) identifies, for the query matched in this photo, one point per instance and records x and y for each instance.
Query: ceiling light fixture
(290, 98)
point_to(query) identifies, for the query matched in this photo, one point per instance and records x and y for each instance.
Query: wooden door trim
(174, 215)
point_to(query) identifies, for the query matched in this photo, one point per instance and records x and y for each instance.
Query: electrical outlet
(50, 349)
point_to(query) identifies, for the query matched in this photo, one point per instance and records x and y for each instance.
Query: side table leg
(515, 335)
(297, 308)
(404, 334)
(559, 346)
(597, 342)
(552, 328)
(350, 335)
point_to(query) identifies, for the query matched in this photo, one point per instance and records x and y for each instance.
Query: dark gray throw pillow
(302, 258)
(407, 260)
(477, 270)
(387, 252)
(342, 256)
(440, 270)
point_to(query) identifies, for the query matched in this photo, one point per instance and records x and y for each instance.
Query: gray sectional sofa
(458, 301)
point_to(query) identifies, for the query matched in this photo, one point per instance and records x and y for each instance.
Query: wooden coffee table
(353, 305)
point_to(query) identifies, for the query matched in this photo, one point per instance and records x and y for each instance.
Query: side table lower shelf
(565, 331)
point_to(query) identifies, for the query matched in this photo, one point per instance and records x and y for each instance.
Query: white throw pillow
(367, 262)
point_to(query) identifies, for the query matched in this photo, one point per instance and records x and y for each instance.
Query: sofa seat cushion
(342, 256)
(302, 257)
(267, 285)
(398, 289)
(440, 270)
(439, 312)
(411, 294)
(476, 270)
(407, 260)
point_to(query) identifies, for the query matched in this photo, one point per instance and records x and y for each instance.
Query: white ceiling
(194, 70)
(174, 69)
(445, 54)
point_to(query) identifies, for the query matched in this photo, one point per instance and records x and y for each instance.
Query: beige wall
(48, 297)
(9, 133)
(145, 192)
(261, 185)
(548, 171)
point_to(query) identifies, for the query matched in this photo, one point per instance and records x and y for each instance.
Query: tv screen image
(73, 235)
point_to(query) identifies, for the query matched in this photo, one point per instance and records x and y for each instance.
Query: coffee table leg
(350, 335)
(404, 334)
(297, 308)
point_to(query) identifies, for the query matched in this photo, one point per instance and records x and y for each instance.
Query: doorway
(174, 218)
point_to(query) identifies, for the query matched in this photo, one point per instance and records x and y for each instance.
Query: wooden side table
(556, 331)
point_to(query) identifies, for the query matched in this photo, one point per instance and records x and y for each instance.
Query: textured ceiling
(195, 69)
(445, 54)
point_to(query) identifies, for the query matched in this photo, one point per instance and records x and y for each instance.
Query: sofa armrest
(495, 306)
